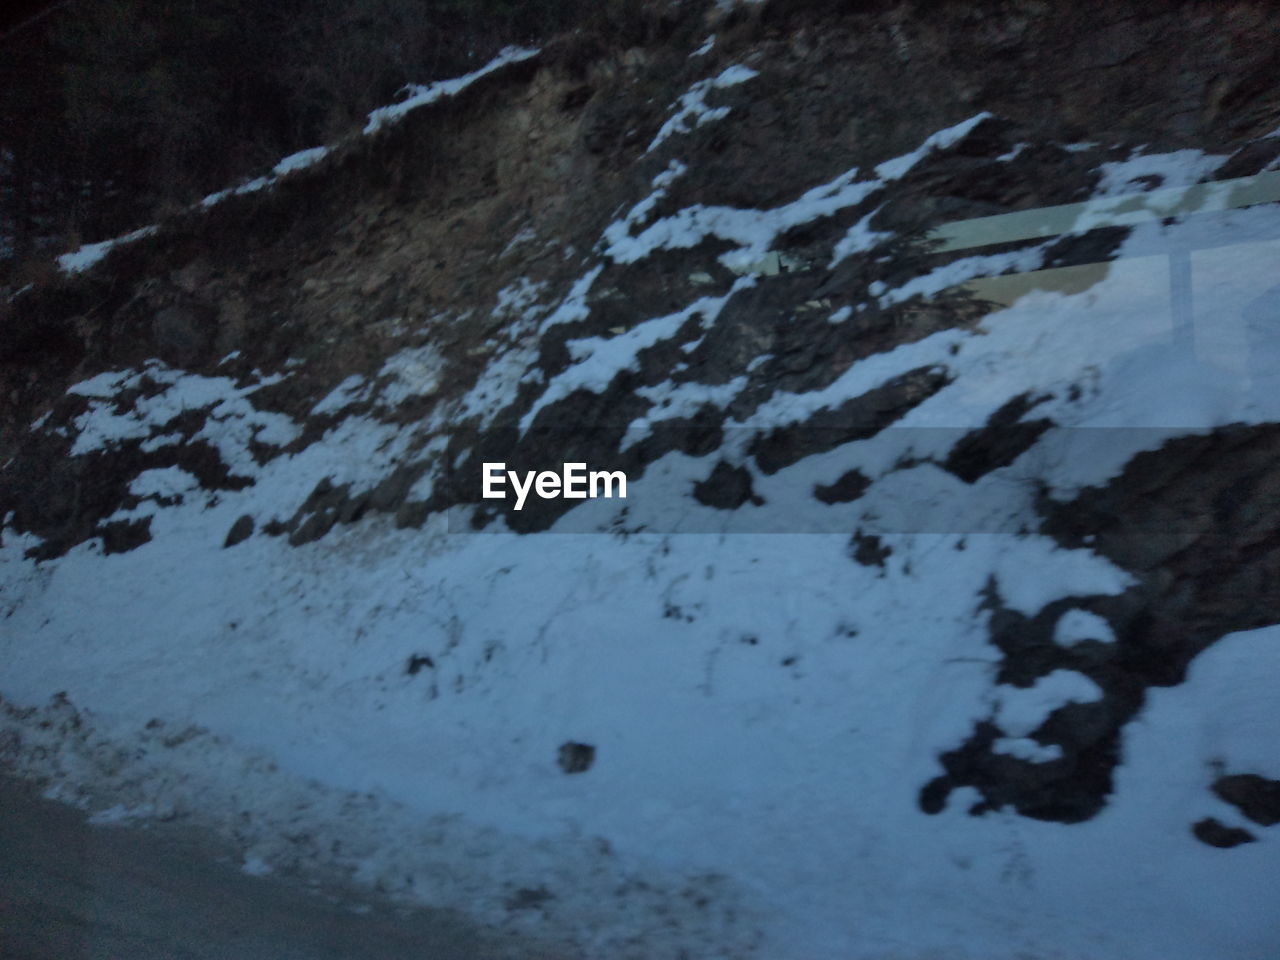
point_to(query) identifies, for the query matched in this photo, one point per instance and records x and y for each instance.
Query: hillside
(940, 348)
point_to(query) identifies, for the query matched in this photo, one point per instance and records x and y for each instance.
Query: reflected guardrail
(1123, 210)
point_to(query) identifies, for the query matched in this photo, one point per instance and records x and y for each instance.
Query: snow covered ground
(763, 709)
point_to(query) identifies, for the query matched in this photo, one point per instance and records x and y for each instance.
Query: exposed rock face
(240, 531)
(1258, 798)
(1215, 834)
(183, 337)
(576, 757)
(1196, 522)
(727, 488)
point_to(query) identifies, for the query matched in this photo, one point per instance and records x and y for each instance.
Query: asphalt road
(73, 891)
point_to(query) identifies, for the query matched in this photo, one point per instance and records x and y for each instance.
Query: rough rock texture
(1258, 798)
(1197, 522)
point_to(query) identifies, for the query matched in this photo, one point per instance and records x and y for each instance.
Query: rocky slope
(743, 263)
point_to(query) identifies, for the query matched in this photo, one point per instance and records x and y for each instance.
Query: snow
(350, 391)
(419, 95)
(858, 239)
(597, 360)
(254, 185)
(522, 236)
(232, 419)
(413, 372)
(498, 384)
(764, 708)
(86, 256)
(1024, 748)
(652, 789)
(671, 401)
(300, 160)
(1020, 711)
(120, 814)
(255, 867)
(899, 167)
(756, 230)
(691, 110)
(1076, 626)
(959, 271)
(1181, 168)
(753, 230)
(574, 306)
(163, 483)
(519, 300)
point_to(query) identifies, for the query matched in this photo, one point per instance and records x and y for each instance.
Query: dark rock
(576, 757)
(1093, 246)
(275, 528)
(1256, 797)
(757, 321)
(1219, 835)
(727, 488)
(183, 335)
(353, 509)
(412, 514)
(74, 495)
(577, 97)
(1195, 523)
(1251, 159)
(849, 487)
(856, 419)
(324, 507)
(868, 549)
(1003, 439)
(312, 528)
(390, 492)
(417, 662)
(933, 795)
(121, 536)
(1068, 790)
(529, 898)
(240, 531)
(1116, 44)
(619, 120)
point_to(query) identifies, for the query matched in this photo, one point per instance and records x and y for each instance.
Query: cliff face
(984, 296)
(442, 228)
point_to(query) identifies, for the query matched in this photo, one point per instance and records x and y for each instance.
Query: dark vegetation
(114, 112)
